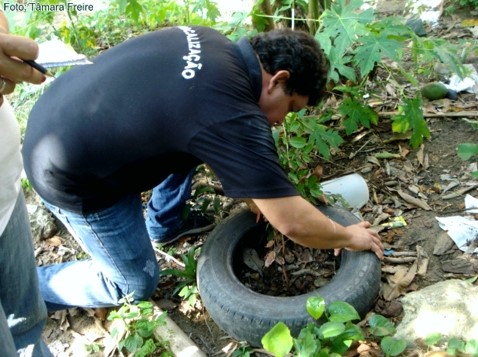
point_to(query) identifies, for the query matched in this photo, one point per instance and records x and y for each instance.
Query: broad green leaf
(324, 41)
(307, 343)
(450, 60)
(392, 346)
(331, 329)
(454, 345)
(373, 48)
(341, 311)
(145, 328)
(133, 342)
(293, 177)
(324, 138)
(367, 55)
(145, 305)
(315, 306)
(352, 332)
(433, 339)
(471, 347)
(148, 348)
(278, 340)
(342, 343)
(298, 142)
(467, 151)
(353, 91)
(344, 23)
(380, 325)
(133, 9)
(411, 117)
(356, 114)
(324, 352)
(339, 65)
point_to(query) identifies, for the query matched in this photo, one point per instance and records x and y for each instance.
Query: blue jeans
(117, 240)
(22, 310)
(166, 207)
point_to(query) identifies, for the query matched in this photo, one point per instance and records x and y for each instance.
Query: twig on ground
(169, 257)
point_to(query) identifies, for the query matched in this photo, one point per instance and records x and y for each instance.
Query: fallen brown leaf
(399, 282)
(55, 241)
(414, 201)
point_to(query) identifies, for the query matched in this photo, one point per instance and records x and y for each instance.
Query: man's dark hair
(296, 52)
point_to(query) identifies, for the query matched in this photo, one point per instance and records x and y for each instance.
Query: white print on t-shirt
(193, 58)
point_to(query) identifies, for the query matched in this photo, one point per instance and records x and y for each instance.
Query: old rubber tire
(247, 315)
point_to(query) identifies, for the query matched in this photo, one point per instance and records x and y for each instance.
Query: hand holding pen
(13, 69)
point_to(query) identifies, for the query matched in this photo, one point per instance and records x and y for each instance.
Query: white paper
(471, 204)
(468, 84)
(55, 53)
(462, 230)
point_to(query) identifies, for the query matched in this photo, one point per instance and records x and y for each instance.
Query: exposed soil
(417, 185)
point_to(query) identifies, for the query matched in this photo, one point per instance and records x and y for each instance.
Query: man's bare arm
(306, 225)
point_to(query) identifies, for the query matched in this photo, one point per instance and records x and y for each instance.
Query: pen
(38, 67)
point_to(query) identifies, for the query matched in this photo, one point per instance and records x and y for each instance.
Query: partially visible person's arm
(12, 70)
(306, 225)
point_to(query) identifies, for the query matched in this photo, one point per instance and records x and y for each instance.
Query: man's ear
(278, 79)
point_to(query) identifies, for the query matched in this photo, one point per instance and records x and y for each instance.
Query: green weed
(333, 337)
(135, 332)
(187, 286)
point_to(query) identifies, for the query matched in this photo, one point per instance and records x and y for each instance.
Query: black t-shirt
(159, 103)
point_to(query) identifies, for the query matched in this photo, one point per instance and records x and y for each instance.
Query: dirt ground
(417, 185)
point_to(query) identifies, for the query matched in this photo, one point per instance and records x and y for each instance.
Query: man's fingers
(17, 71)
(378, 251)
(365, 224)
(19, 46)
(6, 86)
(377, 247)
(12, 50)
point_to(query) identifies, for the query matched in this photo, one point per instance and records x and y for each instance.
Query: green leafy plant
(242, 351)
(453, 345)
(332, 337)
(356, 44)
(410, 117)
(356, 113)
(299, 141)
(187, 286)
(26, 185)
(467, 151)
(93, 348)
(135, 333)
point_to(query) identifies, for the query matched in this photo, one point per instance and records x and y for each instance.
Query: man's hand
(12, 69)
(363, 239)
(253, 207)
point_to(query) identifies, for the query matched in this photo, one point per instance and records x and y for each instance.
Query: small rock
(42, 223)
(416, 24)
(389, 308)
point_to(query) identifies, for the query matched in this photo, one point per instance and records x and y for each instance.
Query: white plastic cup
(353, 189)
